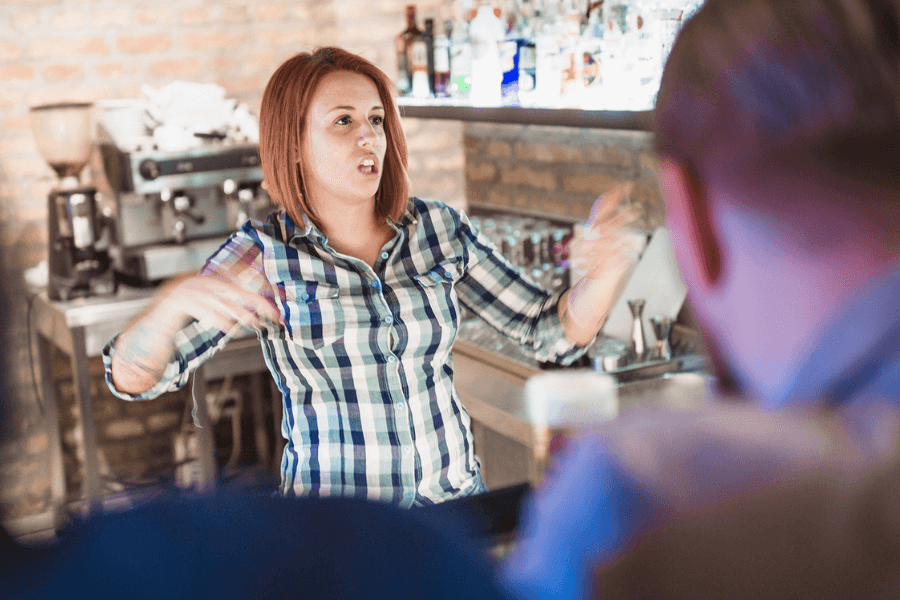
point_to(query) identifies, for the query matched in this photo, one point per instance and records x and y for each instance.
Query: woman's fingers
(607, 204)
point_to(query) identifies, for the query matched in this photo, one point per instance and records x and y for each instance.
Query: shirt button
(384, 255)
(408, 495)
(388, 320)
(448, 275)
(406, 449)
(304, 296)
(375, 284)
(392, 359)
(401, 405)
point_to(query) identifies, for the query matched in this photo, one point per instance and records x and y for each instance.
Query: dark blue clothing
(239, 545)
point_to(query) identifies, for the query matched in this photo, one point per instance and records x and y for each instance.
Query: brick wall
(559, 170)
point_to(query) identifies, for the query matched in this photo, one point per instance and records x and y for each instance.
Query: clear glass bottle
(590, 49)
(547, 72)
(486, 31)
(442, 62)
(461, 54)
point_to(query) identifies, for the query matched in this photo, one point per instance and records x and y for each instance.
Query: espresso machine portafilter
(79, 264)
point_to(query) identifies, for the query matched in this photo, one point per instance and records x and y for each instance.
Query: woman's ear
(687, 203)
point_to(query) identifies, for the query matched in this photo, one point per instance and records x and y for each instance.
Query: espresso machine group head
(79, 264)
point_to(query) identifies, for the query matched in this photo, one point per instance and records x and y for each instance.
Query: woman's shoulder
(434, 211)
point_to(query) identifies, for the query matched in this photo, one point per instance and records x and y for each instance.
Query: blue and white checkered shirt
(363, 360)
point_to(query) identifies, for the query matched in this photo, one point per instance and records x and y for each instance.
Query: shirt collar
(307, 229)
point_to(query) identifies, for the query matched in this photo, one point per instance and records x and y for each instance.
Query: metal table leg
(208, 469)
(80, 371)
(51, 413)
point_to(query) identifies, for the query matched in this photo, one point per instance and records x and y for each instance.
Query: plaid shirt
(363, 360)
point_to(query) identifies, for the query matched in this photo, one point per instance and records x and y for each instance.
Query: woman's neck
(355, 231)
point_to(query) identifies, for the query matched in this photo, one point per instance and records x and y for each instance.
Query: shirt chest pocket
(437, 284)
(313, 314)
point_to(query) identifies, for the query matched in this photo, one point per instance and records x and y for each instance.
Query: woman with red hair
(355, 291)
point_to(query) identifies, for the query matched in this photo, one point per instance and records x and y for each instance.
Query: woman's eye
(377, 120)
(343, 121)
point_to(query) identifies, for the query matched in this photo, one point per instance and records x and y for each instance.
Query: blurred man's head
(778, 122)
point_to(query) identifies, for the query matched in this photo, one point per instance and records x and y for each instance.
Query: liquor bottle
(418, 66)
(517, 57)
(428, 36)
(590, 49)
(404, 45)
(646, 49)
(442, 62)
(486, 32)
(547, 73)
(568, 32)
(461, 59)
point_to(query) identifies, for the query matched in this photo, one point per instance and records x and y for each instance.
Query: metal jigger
(637, 349)
(662, 328)
(78, 265)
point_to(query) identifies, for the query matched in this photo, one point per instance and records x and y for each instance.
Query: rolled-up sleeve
(493, 289)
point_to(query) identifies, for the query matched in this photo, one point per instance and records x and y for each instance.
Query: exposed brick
(235, 86)
(432, 140)
(205, 41)
(66, 94)
(62, 72)
(23, 21)
(68, 46)
(124, 429)
(156, 15)
(547, 204)
(481, 171)
(267, 61)
(588, 183)
(163, 421)
(523, 175)
(141, 44)
(71, 19)
(16, 72)
(110, 17)
(19, 144)
(196, 16)
(612, 156)
(236, 13)
(191, 66)
(473, 145)
(10, 98)
(16, 167)
(271, 11)
(499, 149)
(10, 50)
(37, 443)
(648, 161)
(110, 70)
(548, 152)
(226, 63)
(299, 36)
(452, 162)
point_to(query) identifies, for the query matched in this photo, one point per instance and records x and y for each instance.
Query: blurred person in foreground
(778, 129)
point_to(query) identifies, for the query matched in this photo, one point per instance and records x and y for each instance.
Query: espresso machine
(172, 209)
(79, 262)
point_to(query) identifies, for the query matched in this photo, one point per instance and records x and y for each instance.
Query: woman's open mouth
(368, 167)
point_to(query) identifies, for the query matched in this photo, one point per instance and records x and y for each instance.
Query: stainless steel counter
(512, 445)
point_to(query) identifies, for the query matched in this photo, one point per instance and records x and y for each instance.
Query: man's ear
(688, 200)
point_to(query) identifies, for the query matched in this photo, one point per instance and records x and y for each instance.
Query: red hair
(282, 124)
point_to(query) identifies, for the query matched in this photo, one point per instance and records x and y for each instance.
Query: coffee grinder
(79, 264)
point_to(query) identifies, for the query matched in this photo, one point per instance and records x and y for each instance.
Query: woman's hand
(212, 299)
(604, 248)
(147, 345)
(608, 256)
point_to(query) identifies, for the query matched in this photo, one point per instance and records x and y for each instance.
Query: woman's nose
(367, 134)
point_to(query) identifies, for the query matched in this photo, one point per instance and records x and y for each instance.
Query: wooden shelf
(514, 115)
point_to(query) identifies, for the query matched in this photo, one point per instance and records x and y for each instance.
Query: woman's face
(343, 150)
